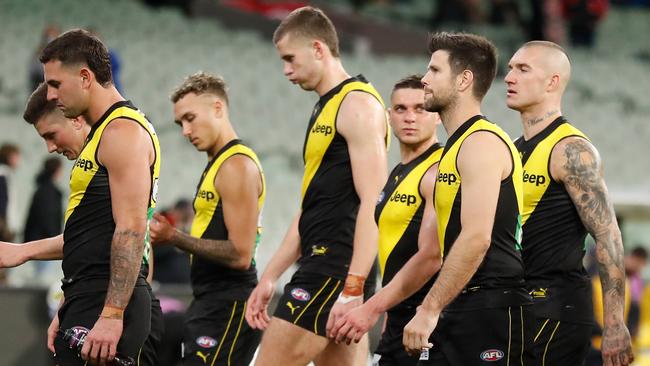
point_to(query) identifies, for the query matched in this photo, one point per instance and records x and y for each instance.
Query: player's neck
(458, 113)
(101, 100)
(226, 134)
(536, 118)
(333, 75)
(408, 152)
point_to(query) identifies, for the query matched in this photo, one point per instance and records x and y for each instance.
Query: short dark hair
(311, 23)
(409, 82)
(38, 106)
(6, 150)
(201, 83)
(80, 46)
(469, 52)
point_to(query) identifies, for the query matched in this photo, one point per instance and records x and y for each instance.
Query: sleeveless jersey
(399, 215)
(329, 199)
(502, 266)
(208, 276)
(553, 235)
(89, 224)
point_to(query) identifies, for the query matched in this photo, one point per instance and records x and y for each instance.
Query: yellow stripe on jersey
(400, 208)
(86, 165)
(448, 183)
(207, 198)
(537, 175)
(323, 130)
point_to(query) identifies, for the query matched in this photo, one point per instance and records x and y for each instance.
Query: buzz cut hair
(202, 83)
(409, 82)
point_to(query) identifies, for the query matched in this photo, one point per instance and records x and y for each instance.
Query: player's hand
(101, 342)
(419, 329)
(11, 255)
(258, 304)
(352, 326)
(51, 332)
(616, 346)
(339, 309)
(160, 229)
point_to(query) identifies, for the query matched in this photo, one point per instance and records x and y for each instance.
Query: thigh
(215, 333)
(287, 344)
(152, 346)
(355, 354)
(559, 343)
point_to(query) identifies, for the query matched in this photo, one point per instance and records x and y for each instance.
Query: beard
(438, 103)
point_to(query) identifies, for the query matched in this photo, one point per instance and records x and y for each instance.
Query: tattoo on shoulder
(583, 174)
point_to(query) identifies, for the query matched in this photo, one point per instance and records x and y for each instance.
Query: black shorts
(151, 348)
(494, 336)
(391, 351)
(559, 343)
(82, 310)
(308, 299)
(216, 333)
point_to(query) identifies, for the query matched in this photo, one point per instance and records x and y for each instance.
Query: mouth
(194, 141)
(510, 92)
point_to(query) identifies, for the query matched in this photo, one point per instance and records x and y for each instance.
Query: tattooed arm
(127, 153)
(576, 163)
(239, 198)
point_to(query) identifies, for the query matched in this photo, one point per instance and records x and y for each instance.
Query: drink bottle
(75, 338)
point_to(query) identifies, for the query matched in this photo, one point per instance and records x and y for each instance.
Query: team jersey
(553, 235)
(399, 214)
(89, 224)
(208, 276)
(502, 266)
(329, 200)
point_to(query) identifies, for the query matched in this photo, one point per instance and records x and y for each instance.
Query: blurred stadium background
(160, 42)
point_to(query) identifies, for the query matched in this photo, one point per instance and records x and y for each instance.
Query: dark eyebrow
(53, 83)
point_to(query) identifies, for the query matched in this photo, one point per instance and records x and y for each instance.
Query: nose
(509, 79)
(287, 69)
(186, 130)
(51, 94)
(51, 146)
(424, 79)
(409, 117)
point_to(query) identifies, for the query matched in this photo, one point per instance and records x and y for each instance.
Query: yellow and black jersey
(399, 214)
(553, 235)
(89, 224)
(329, 200)
(206, 275)
(502, 266)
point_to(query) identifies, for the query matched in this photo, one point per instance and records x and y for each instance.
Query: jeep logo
(207, 195)
(449, 178)
(537, 180)
(409, 199)
(84, 164)
(326, 130)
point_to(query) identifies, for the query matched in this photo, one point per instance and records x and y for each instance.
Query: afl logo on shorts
(206, 342)
(300, 294)
(492, 355)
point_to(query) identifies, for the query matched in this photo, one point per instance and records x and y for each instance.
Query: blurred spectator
(45, 216)
(172, 266)
(9, 160)
(50, 32)
(116, 61)
(583, 17)
(635, 262)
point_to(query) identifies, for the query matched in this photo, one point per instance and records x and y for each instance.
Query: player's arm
(127, 153)
(13, 255)
(409, 279)
(239, 185)
(289, 251)
(576, 163)
(481, 181)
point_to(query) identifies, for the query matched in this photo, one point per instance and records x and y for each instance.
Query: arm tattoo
(126, 259)
(220, 251)
(589, 194)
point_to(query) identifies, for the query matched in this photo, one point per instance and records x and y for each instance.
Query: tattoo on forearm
(220, 251)
(126, 258)
(590, 197)
(535, 120)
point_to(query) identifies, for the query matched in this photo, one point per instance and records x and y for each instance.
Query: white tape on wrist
(343, 299)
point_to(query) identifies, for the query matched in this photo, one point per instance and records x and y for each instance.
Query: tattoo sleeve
(126, 258)
(220, 251)
(586, 186)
